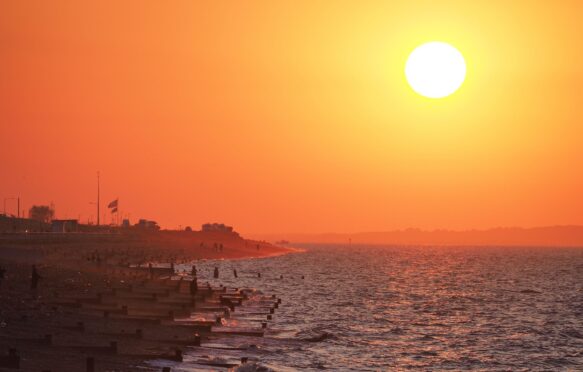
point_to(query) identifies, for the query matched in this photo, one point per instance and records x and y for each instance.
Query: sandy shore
(42, 324)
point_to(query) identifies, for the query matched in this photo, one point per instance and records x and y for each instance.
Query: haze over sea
(385, 308)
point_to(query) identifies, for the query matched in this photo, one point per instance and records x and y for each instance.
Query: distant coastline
(546, 236)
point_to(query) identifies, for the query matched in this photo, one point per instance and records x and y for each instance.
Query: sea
(389, 308)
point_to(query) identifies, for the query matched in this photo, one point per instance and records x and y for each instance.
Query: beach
(77, 311)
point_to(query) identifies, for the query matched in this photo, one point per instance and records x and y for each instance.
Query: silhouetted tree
(41, 213)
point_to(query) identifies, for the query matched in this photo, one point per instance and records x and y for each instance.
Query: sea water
(370, 308)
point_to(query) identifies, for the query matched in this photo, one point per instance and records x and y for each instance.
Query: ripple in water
(379, 308)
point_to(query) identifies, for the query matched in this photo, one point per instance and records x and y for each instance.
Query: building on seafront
(217, 227)
(10, 224)
(64, 226)
(147, 225)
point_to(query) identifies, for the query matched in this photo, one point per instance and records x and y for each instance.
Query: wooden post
(90, 364)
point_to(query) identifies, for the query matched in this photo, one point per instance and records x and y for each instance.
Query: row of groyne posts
(162, 306)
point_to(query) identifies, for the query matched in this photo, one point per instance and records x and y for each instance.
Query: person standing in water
(216, 275)
(193, 287)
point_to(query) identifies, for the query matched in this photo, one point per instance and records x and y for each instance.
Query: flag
(114, 210)
(113, 204)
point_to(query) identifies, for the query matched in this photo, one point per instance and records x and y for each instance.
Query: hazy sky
(293, 116)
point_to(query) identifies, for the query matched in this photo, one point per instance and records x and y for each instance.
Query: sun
(435, 69)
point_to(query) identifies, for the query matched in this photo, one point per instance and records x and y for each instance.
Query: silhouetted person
(2, 272)
(35, 278)
(259, 275)
(216, 275)
(151, 270)
(193, 272)
(235, 272)
(193, 287)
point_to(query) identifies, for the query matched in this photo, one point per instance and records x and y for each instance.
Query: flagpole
(97, 198)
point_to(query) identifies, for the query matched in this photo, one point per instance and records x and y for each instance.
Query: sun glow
(435, 69)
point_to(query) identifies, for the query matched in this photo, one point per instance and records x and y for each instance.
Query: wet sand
(57, 326)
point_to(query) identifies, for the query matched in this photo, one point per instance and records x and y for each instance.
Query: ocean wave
(314, 335)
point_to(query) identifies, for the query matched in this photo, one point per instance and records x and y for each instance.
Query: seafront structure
(217, 227)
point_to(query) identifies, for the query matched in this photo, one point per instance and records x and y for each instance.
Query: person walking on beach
(216, 275)
(235, 272)
(35, 278)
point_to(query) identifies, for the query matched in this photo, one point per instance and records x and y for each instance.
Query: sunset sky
(293, 116)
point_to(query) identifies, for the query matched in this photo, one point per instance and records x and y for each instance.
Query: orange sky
(293, 116)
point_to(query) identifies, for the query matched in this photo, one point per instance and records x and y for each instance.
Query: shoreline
(289, 250)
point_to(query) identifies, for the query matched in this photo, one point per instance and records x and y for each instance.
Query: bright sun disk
(435, 69)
